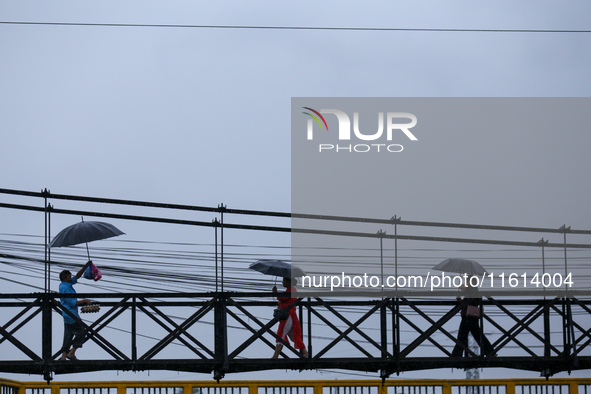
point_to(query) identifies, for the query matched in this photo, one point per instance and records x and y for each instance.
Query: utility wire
(255, 27)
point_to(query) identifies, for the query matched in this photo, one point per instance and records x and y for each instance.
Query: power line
(255, 27)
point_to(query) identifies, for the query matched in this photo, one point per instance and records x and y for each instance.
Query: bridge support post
(221, 337)
(384, 342)
(134, 330)
(547, 329)
(46, 352)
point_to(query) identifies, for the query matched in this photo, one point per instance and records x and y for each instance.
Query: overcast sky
(202, 115)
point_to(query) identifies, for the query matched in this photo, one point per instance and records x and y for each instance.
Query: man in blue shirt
(74, 332)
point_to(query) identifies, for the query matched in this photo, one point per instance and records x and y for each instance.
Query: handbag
(92, 272)
(96, 273)
(473, 311)
(88, 273)
(281, 313)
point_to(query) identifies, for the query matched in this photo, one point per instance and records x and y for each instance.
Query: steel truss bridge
(552, 335)
(221, 332)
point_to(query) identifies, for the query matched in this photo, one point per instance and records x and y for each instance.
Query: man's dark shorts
(74, 335)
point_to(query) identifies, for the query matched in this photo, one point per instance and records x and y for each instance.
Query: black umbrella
(461, 266)
(277, 268)
(84, 232)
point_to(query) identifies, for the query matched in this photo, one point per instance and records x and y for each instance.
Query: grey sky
(202, 116)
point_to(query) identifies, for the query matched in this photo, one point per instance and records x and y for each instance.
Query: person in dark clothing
(74, 332)
(470, 323)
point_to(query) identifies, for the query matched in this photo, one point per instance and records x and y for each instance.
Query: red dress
(290, 327)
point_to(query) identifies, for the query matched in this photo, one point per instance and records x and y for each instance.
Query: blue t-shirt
(69, 303)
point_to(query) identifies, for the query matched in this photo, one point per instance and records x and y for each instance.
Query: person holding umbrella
(290, 327)
(470, 323)
(74, 332)
(470, 312)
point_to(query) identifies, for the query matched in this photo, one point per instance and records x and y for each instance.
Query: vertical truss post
(45, 194)
(46, 338)
(396, 333)
(216, 223)
(221, 337)
(221, 209)
(564, 231)
(134, 330)
(547, 329)
(46, 325)
(564, 346)
(547, 334)
(481, 341)
(45, 273)
(543, 243)
(568, 328)
(381, 237)
(310, 355)
(384, 330)
(301, 316)
(384, 341)
(571, 334)
(566, 325)
(221, 328)
(395, 220)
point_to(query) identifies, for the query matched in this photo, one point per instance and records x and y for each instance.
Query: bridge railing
(421, 386)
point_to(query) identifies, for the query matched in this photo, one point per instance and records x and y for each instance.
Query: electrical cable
(318, 28)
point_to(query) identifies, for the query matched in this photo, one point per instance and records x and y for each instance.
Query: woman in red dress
(290, 327)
